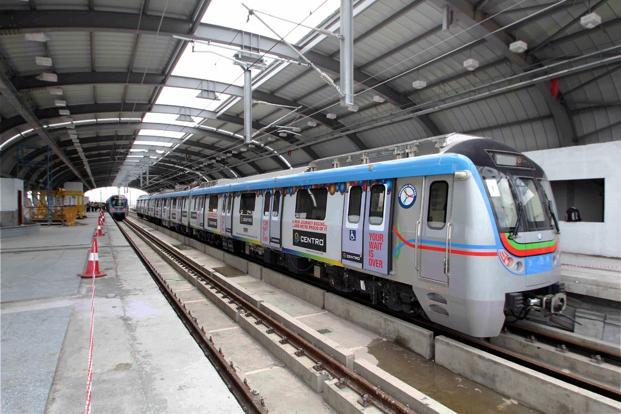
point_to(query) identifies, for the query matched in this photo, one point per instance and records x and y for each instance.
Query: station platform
(593, 276)
(137, 365)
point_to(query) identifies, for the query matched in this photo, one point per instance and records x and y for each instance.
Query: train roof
(423, 165)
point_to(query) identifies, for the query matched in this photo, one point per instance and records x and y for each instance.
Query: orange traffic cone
(99, 232)
(92, 266)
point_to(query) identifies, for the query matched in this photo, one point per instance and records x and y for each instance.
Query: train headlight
(511, 263)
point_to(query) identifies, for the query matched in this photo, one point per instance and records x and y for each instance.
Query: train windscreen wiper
(554, 219)
(516, 228)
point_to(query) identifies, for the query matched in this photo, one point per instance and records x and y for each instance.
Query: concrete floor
(593, 276)
(144, 358)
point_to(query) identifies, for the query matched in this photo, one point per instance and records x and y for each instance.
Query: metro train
(461, 230)
(117, 206)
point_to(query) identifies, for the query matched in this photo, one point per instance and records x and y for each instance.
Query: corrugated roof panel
(113, 50)
(78, 94)
(20, 54)
(126, 6)
(268, 164)
(153, 53)
(6, 110)
(286, 75)
(70, 51)
(176, 8)
(109, 93)
(139, 93)
(62, 5)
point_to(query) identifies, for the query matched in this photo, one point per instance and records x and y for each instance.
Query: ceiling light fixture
(43, 61)
(419, 84)
(55, 91)
(48, 77)
(60, 102)
(36, 37)
(353, 108)
(519, 46)
(591, 20)
(471, 64)
(185, 118)
(331, 115)
(311, 123)
(378, 99)
(64, 112)
(205, 94)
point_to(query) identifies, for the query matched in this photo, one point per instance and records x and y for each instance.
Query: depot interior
(171, 95)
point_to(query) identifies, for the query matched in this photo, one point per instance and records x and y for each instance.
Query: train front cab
(470, 267)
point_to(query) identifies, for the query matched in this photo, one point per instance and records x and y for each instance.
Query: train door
(228, 217)
(406, 227)
(265, 218)
(376, 245)
(352, 237)
(436, 229)
(275, 220)
(201, 211)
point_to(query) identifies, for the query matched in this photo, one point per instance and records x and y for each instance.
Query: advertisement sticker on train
(407, 196)
(309, 240)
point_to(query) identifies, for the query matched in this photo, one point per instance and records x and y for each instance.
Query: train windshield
(118, 202)
(520, 204)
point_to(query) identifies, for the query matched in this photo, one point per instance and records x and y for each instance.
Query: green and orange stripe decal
(527, 249)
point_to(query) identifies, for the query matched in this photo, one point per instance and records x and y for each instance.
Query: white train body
(465, 234)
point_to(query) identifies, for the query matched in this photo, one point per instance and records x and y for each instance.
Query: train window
(266, 203)
(311, 204)
(246, 205)
(276, 204)
(355, 204)
(438, 201)
(213, 203)
(229, 207)
(376, 209)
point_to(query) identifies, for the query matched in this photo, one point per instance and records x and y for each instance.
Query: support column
(247, 106)
(347, 53)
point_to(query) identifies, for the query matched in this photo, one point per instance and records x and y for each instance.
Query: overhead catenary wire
(409, 70)
(307, 116)
(391, 118)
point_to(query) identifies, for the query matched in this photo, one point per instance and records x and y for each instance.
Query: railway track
(369, 394)
(563, 340)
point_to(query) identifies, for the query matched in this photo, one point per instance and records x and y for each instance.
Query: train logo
(407, 196)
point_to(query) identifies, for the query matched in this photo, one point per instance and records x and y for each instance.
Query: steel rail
(366, 389)
(249, 402)
(532, 363)
(579, 341)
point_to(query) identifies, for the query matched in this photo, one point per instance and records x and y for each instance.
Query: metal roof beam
(86, 78)
(12, 96)
(72, 20)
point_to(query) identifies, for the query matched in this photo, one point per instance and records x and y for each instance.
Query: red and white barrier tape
(89, 375)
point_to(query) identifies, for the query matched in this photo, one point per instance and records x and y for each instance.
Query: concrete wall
(8, 200)
(586, 162)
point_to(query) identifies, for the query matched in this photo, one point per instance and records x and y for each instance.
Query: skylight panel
(170, 119)
(187, 98)
(231, 13)
(154, 143)
(162, 133)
